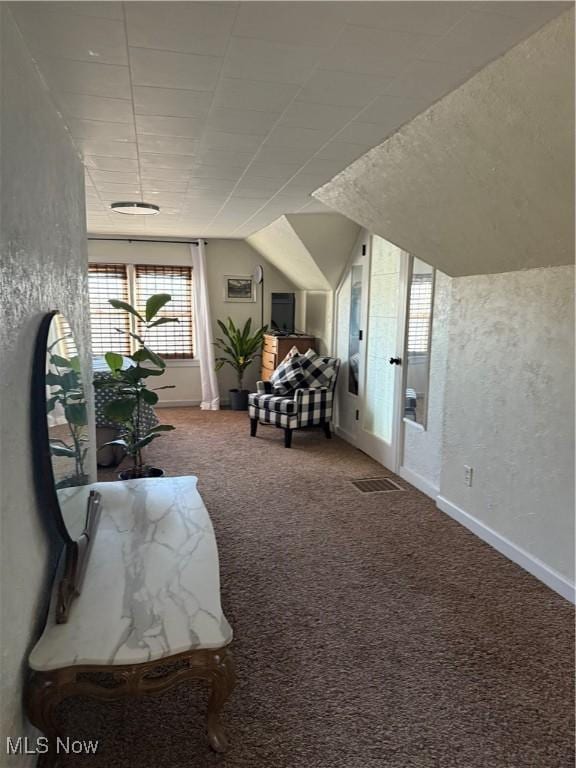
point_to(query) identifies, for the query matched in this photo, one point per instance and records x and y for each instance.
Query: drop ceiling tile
(98, 130)
(174, 70)
(295, 136)
(171, 102)
(481, 37)
(315, 24)
(530, 11)
(343, 151)
(224, 140)
(108, 163)
(150, 162)
(189, 27)
(123, 149)
(393, 111)
(346, 89)
(91, 79)
(323, 167)
(256, 186)
(164, 185)
(104, 10)
(320, 116)
(119, 191)
(241, 121)
(216, 172)
(159, 172)
(201, 184)
(265, 96)
(114, 177)
(263, 60)
(167, 145)
(271, 154)
(432, 18)
(95, 107)
(279, 171)
(430, 79)
(359, 132)
(374, 51)
(69, 36)
(186, 127)
(222, 157)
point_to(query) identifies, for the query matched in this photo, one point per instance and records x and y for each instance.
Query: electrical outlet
(468, 471)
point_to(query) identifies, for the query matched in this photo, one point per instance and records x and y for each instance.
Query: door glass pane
(354, 337)
(382, 338)
(418, 342)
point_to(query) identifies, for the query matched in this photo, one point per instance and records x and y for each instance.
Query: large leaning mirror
(418, 341)
(62, 449)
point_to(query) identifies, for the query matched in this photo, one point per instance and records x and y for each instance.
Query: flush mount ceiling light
(136, 209)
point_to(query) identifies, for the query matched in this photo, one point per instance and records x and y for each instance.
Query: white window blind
(420, 313)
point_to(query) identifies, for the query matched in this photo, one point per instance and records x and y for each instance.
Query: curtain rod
(143, 240)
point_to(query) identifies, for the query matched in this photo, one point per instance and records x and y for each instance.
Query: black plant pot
(239, 399)
(132, 474)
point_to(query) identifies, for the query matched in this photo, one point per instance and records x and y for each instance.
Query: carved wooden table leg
(47, 689)
(222, 681)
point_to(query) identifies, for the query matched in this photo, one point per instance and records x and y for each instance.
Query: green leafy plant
(239, 347)
(67, 392)
(129, 383)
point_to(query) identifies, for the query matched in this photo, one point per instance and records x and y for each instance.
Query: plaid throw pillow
(288, 376)
(318, 371)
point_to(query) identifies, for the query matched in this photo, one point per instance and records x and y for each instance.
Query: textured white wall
(509, 408)
(483, 180)
(43, 267)
(423, 449)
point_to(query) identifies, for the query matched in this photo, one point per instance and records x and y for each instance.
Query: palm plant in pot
(239, 347)
(130, 390)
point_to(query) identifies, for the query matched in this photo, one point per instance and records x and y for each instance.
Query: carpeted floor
(371, 631)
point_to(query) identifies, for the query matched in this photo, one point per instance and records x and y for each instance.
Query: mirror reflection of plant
(66, 391)
(240, 347)
(129, 384)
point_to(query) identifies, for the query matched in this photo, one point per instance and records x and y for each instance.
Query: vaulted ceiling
(228, 115)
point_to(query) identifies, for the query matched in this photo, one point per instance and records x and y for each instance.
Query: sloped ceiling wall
(310, 249)
(481, 182)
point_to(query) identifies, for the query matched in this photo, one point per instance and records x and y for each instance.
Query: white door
(368, 339)
(381, 402)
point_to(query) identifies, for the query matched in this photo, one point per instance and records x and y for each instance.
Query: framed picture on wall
(239, 288)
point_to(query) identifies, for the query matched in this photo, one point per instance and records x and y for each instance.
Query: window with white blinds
(420, 309)
(170, 340)
(135, 284)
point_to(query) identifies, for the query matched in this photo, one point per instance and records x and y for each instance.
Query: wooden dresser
(275, 349)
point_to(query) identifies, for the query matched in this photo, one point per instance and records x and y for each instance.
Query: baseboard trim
(176, 403)
(419, 482)
(344, 435)
(533, 565)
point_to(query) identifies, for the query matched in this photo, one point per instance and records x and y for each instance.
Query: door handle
(395, 361)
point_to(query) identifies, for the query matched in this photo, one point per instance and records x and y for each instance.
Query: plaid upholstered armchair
(300, 393)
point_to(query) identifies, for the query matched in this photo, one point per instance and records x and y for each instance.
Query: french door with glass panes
(369, 341)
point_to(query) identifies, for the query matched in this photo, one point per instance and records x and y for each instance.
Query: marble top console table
(149, 613)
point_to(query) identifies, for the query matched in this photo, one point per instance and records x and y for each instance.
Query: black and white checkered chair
(301, 396)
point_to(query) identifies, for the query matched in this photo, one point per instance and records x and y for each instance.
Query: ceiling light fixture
(136, 209)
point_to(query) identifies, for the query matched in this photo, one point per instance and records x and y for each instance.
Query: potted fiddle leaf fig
(128, 383)
(239, 347)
